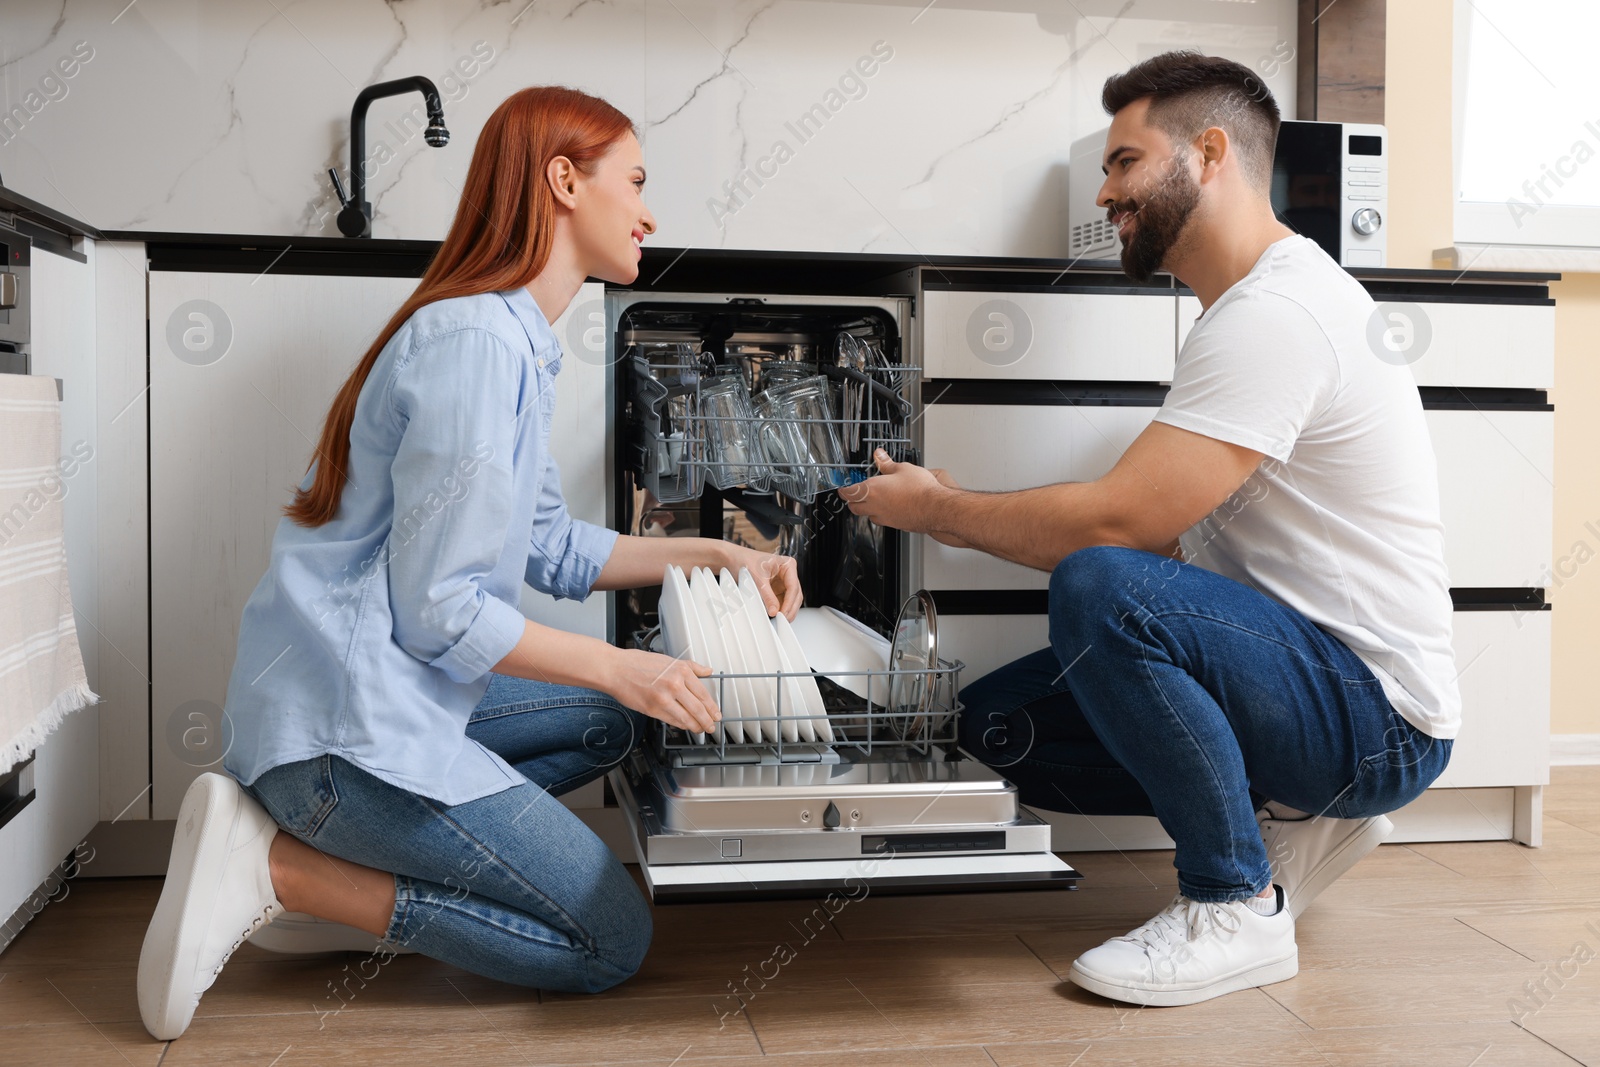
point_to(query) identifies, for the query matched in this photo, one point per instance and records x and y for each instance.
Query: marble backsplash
(850, 125)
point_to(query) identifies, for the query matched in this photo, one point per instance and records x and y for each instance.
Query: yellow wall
(1417, 112)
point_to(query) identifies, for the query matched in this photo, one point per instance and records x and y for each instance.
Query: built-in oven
(15, 252)
(712, 440)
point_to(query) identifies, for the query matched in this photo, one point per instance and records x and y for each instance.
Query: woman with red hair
(392, 711)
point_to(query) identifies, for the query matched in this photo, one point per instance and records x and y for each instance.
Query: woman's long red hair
(500, 239)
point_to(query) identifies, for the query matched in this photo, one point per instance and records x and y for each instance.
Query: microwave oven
(1330, 182)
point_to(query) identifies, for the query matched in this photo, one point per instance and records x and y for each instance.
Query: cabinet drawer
(1494, 481)
(1013, 447)
(1503, 665)
(985, 642)
(1503, 657)
(1049, 336)
(1473, 346)
(1496, 470)
(1481, 345)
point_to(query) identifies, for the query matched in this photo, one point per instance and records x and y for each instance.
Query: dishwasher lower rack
(921, 720)
(889, 804)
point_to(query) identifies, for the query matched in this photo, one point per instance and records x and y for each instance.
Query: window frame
(1478, 222)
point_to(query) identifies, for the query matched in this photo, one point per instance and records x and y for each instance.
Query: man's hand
(901, 495)
(947, 538)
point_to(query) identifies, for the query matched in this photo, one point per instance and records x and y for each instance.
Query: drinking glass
(729, 430)
(800, 439)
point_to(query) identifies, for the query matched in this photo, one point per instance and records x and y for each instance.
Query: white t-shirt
(1341, 520)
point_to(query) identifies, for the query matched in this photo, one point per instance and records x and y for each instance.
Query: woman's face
(609, 219)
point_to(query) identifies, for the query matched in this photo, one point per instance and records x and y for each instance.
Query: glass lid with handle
(913, 656)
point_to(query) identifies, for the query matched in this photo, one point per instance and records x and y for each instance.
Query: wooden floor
(1421, 955)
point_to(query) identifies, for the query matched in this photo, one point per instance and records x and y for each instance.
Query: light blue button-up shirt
(371, 636)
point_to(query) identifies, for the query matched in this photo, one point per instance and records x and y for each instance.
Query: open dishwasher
(739, 418)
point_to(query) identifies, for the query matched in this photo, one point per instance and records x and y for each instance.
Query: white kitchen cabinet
(233, 426)
(1503, 670)
(1472, 345)
(123, 531)
(1494, 446)
(1496, 494)
(1013, 447)
(1462, 344)
(65, 778)
(1504, 662)
(1021, 336)
(984, 642)
(1495, 481)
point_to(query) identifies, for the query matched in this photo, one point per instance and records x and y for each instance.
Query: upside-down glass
(733, 456)
(800, 439)
(779, 372)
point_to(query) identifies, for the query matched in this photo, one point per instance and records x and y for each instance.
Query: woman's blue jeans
(511, 886)
(1169, 690)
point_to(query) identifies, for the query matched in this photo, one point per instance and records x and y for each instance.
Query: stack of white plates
(721, 622)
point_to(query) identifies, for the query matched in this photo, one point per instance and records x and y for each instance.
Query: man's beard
(1159, 220)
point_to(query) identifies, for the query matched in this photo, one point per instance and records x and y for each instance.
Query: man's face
(1148, 193)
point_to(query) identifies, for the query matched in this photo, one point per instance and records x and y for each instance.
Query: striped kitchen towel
(41, 668)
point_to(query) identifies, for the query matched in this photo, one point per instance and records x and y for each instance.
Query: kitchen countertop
(752, 271)
(696, 269)
(44, 225)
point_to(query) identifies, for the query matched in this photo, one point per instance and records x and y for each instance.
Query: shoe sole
(306, 936)
(1177, 997)
(167, 962)
(1347, 854)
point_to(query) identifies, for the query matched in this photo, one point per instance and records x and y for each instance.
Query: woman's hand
(776, 577)
(664, 688)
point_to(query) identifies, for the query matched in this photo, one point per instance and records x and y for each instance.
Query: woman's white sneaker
(1192, 951)
(218, 892)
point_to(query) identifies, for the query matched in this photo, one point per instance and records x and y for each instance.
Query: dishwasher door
(685, 862)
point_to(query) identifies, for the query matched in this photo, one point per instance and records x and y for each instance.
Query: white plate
(733, 645)
(707, 599)
(836, 644)
(756, 698)
(816, 723)
(681, 635)
(771, 660)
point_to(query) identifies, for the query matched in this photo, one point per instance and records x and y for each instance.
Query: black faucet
(355, 215)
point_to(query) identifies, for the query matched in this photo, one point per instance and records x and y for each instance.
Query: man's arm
(1168, 480)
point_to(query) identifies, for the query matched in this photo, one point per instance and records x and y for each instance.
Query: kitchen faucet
(355, 215)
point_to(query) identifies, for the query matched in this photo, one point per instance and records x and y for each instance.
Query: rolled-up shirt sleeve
(567, 554)
(453, 495)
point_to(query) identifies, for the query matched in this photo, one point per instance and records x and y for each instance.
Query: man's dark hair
(1190, 92)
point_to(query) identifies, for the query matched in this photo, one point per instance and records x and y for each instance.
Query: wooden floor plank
(1447, 952)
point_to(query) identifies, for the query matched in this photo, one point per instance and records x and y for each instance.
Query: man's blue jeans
(1169, 690)
(512, 886)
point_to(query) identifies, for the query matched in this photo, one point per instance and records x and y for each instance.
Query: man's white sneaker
(218, 892)
(1307, 854)
(1191, 952)
(295, 931)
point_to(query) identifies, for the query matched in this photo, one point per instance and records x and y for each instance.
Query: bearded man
(1267, 684)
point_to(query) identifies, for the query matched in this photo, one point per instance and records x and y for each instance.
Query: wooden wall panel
(1341, 53)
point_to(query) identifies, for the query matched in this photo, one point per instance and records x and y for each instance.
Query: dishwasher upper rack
(669, 441)
(859, 725)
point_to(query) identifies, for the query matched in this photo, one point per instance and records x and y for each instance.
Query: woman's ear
(563, 179)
